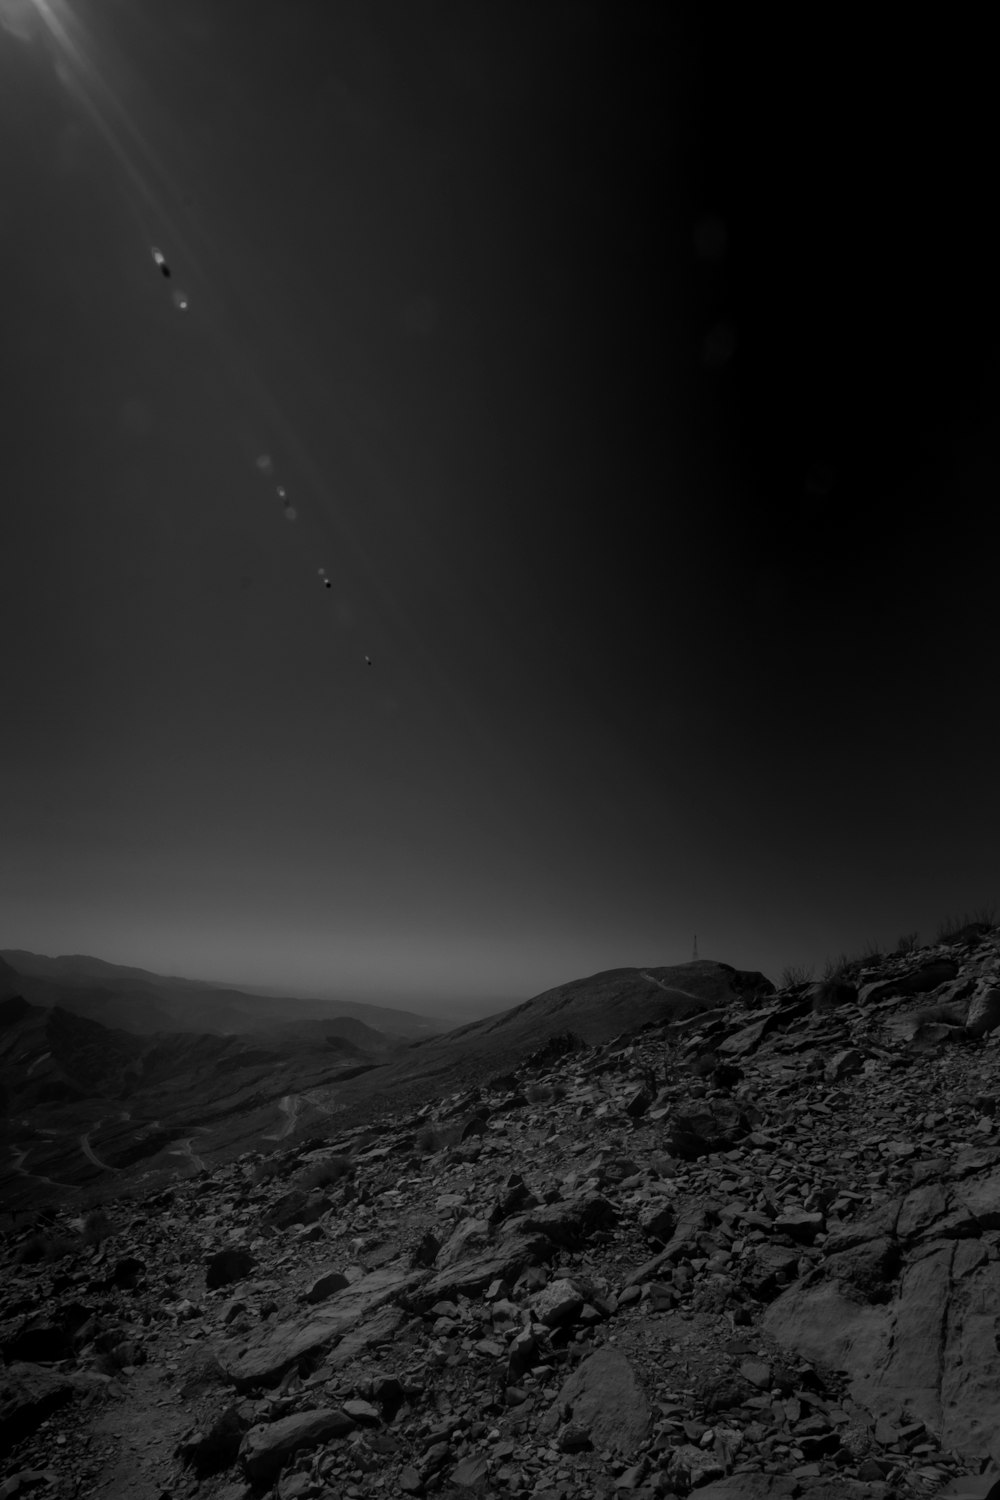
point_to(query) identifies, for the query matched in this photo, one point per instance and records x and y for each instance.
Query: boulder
(217, 1447)
(983, 1015)
(557, 1303)
(605, 1398)
(29, 1394)
(265, 1358)
(227, 1266)
(915, 981)
(326, 1286)
(266, 1447)
(870, 1307)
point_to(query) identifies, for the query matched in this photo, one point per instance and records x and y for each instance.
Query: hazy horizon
(493, 491)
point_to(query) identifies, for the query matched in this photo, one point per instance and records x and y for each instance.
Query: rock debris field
(752, 1253)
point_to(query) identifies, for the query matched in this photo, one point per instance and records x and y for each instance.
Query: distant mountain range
(140, 1001)
(103, 1083)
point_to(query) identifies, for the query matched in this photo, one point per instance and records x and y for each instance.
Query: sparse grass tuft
(837, 968)
(981, 922)
(908, 942)
(795, 975)
(96, 1227)
(46, 1247)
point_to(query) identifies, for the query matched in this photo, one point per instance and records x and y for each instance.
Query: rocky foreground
(752, 1253)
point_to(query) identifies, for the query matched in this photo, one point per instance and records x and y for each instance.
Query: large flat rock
(929, 1336)
(265, 1358)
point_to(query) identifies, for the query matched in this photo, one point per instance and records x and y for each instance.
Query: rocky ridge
(751, 1253)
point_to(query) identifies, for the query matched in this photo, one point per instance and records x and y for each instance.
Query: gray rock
(227, 1266)
(915, 981)
(851, 1060)
(604, 1396)
(29, 1393)
(638, 1103)
(326, 1286)
(502, 1262)
(658, 1222)
(264, 1359)
(948, 1380)
(266, 1447)
(297, 1207)
(748, 1038)
(983, 1015)
(569, 1224)
(217, 1447)
(470, 1234)
(469, 1472)
(701, 1129)
(751, 1487)
(559, 1302)
(694, 1467)
(799, 1224)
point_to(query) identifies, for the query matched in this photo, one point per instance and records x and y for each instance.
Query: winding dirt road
(89, 1151)
(185, 1147)
(290, 1105)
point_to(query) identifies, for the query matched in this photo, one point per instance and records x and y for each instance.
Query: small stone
(469, 1472)
(757, 1372)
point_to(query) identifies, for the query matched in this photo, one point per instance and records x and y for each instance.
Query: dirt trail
(185, 1147)
(22, 1171)
(89, 1151)
(134, 1438)
(290, 1105)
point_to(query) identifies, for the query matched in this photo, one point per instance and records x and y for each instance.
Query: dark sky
(635, 382)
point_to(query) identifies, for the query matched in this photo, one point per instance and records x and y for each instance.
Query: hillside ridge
(699, 1256)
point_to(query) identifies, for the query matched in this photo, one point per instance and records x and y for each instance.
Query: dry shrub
(795, 975)
(46, 1247)
(96, 1227)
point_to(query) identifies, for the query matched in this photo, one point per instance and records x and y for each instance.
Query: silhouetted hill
(592, 1010)
(139, 1001)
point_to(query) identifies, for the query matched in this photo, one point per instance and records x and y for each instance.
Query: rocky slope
(750, 1251)
(138, 1000)
(86, 1106)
